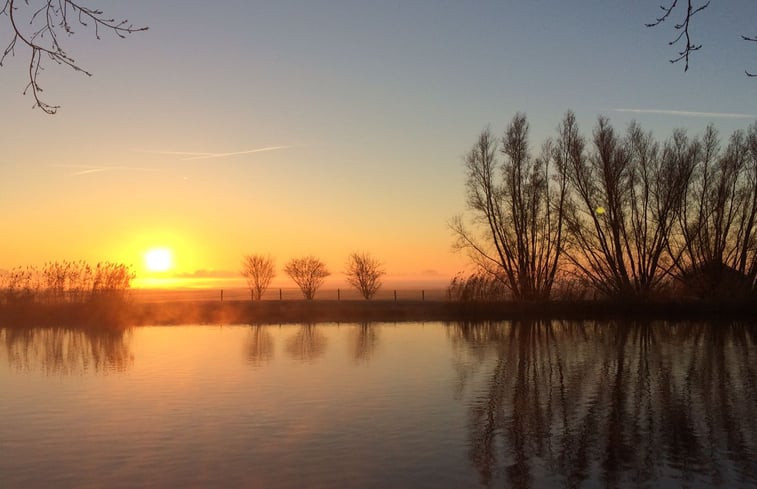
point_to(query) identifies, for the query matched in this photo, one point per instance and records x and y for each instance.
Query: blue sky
(372, 103)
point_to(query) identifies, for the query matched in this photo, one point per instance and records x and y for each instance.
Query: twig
(42, 37)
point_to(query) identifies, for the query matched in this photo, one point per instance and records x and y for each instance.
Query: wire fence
(287, 294)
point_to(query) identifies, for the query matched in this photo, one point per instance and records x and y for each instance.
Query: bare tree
(364, 272)
(40, 26)
(717, 228)
(624, 197)
(515, 233)
(689, 10)
(259, 270)
(308, 273)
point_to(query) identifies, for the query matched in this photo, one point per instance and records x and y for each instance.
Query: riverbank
(300, 311)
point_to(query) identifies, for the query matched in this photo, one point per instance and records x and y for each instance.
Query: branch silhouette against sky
(41, 28)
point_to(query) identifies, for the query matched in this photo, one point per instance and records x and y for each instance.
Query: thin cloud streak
(196, 155)
(178, 153)
(686, 113)
(224, 155)
(88, 170)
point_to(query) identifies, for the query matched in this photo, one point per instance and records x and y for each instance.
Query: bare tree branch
(751, 39)
(682, 28)
(40, 30)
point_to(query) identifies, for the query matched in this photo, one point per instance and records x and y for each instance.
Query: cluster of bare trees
(363, 272)
(65, 281)
(628, 215)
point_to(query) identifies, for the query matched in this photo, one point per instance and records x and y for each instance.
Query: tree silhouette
(259, 270)
(40, 27)
(625, 214)
(625, 193)
(516, 231)
(364, 273)
(717, 225)
(308, 273)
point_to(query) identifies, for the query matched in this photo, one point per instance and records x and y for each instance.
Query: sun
(158, 259)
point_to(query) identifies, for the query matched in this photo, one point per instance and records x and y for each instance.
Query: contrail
(223, 155)
(687, 113)
(179, 153)
(89, 169)
(194, 155)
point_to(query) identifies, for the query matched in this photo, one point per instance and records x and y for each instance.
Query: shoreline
(105, 315)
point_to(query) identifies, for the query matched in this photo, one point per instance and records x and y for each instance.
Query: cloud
(686, 113)
(430, 273)
(89, 169)
(209, 274)
(179, 153)
(249, 151)
(207, 156)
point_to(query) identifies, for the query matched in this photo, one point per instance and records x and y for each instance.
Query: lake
(501, 404)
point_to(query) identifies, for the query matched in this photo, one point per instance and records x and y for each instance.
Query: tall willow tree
(514, 231)
(624, 196)
(716, 240)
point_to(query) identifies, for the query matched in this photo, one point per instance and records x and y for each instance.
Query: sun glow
(159, 260)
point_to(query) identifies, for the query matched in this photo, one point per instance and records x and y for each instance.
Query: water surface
(560, 404)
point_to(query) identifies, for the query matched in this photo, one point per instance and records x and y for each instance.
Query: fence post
(338, 294)
(221, 296)
(279, 294)
(395, 295)
(423, 295)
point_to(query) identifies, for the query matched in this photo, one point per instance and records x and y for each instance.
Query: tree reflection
(364, 341)
(67, 351)
(259, 346)
(307, 344)
(619, 403)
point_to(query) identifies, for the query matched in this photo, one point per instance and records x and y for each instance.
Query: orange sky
(210, 219)
(301, 128)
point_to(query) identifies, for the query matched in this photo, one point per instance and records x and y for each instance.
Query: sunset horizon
(328, 244)
(336, 140)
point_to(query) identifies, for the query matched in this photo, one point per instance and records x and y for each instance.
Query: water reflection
(307, 344)
(614, 404)
(259, 346)
(67, 351)
(364, 341)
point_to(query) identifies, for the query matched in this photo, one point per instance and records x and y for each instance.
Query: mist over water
(523, 404)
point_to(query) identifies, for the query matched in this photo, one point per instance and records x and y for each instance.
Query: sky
(325, 127)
